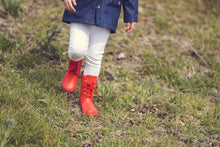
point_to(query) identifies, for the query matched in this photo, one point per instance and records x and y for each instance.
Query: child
(91, 22)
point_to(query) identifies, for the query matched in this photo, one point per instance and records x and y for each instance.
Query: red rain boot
(88, 86)
(70, 79)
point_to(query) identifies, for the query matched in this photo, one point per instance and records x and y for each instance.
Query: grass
(12, 7)
(164, 91)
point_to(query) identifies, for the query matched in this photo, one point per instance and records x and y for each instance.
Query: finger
(74, 2)
(129, 29)
(133, 24)
(128, 26)
(71, 7)
(132, 27)
(68, 7)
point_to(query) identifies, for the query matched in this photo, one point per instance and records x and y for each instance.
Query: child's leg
(97, 42)
(79, 40)
(78, 46)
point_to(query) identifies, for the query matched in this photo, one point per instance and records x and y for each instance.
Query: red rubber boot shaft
(70, 79)
(88, 86)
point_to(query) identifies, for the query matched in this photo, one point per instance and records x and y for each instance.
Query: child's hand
(68, 5)
(130, 26)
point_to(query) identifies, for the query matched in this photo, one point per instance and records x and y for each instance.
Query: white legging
(89, 41)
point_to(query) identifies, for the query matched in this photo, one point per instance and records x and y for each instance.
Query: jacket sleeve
(130, 8)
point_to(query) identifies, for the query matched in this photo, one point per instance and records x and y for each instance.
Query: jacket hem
(86, 21)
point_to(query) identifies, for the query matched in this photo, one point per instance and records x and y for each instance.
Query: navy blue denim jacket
(103, 13)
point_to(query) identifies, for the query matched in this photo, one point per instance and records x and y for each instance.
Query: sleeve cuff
(130, 19)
